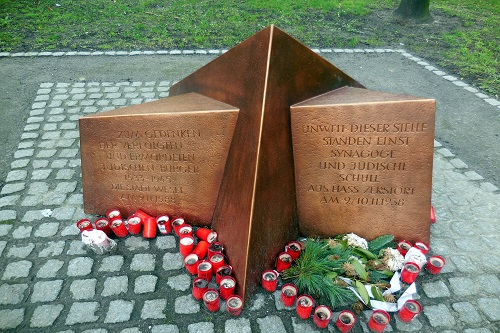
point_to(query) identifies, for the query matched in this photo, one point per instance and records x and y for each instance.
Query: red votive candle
(118, 227)
(186, 245)
(149, 230)
(200, 286)
(177, 224)
(234, 305)
(164, 225)
(134, 224)
(222, 272)
(215, 247)
(410, 309)
(293, 248)
(84, 224)
(227, 286)
(435, 264)
(345, 321)
(103, 224)
(378, 320)
(423, 247)
(201, 249)
(206, 234)
(112, 213)
(322, 316)
(142, 214)
(270, 280)
(304, 306)
(433, 215)
(410, 272)
(217, 261)
(289, 294)
(403, 247)
(185, 230)
(191, 263)
(205, 270)
(283, 262)
(212, 300)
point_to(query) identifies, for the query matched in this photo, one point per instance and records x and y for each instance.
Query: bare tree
(417, 10)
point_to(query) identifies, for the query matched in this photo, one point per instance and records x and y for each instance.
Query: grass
(464, 38)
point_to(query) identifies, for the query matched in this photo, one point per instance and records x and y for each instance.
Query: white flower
(393, 259)
(355, 240)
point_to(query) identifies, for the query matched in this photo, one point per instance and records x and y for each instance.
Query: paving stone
(172, 261)
(5, 228)
(76, 248)
(490, 307)
(439, 315)
(83, 289)
(63, 214)
(111, 264)
(164, 329)
(467, 312)
(180, 282)
(463, 286)
(489, 283)
(49, 269)
(143, 262)
(145, 284)
(17, 269)
(16, 175)
(69, 153)
(131, 330)
(26, 144)
(477, 330)
(82, 312)
(240, 325)
(20, 251)
(186, 305)
(24, 153)
(52, 249)
(279, 304)
(119, 311)
(8, 215)
(41, 174)
(271, 324)
(11, 318)
(22, 232)
(98, 330)
(12, 293)
(3, 244)
(80, 266)
(33, 215)
(203, 327)
(165, 242)
(38, 188)
(65, 187)
(46, 291)
(12, 188)
(39, 164)
(436, 289)
(46, 153)
(22, 163)
(413, 326)
(301, 326)
(153, 309)
(488, 187)
(47, 229)
(45, 315)
(115, 285)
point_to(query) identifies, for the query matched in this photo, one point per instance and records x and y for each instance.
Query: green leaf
(380, 242)
(377, 294)
(358, 267)
(360, 288)
(365, 253)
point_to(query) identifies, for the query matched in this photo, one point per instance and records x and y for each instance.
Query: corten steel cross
(256, 211)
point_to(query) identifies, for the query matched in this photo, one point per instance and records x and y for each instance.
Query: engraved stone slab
(165, 157)
(363, 163)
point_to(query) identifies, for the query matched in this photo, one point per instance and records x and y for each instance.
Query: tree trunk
(417, 10)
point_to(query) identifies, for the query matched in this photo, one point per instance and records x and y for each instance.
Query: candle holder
(84, 224)
(200, 286)
(118, 227)
(410, 309)
(403, 247)
(142, 214)
(222, 272)
(283, 262)
(191, 263)
(226, 287)
(134, 224)
(215, 247)
(294, 249)
(201, 249)
(270, 280)
(345, 321)
(164, 224)
(212, 300)
(234, 305)
(205, 270)
(322, 316)
(149, 230)
(289, 294)
(435, 264)
(410, 272)
(378, 320)
(185, 230)
(217, 261)
(433, 215)
(423, 247)
(104, 225)
(206, 234)
(305, 304)
(177, 224)
(112, 213)
(186, 245)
